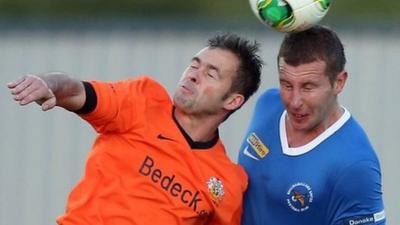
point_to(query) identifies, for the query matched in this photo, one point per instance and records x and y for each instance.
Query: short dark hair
(247, 80)
(316, 43)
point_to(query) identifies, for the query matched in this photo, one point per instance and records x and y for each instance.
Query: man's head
(311, 75)
(317, 43)
(221, 77)
(247, 78)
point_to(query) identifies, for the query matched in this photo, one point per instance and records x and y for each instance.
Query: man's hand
(32, 88)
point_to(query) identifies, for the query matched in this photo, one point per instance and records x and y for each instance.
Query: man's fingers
(25, 92)
(21, 86)
(49, 104)
(38, 95)
(28, 99)
(13, 84)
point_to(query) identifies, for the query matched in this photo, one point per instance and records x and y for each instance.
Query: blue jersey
(334, 179)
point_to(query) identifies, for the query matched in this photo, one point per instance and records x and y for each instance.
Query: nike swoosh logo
(162, 137)
(247, 153)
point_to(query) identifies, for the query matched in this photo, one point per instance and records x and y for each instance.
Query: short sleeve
(119, 104)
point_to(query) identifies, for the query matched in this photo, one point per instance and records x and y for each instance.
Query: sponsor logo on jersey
(216, 190)
(365, 219)
(360, 220)
(171, 185)
(299, 197)
(258, 146)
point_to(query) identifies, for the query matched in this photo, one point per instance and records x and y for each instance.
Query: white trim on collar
(316, 141)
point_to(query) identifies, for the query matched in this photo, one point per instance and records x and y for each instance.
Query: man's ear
(340, 81)
(233, 102)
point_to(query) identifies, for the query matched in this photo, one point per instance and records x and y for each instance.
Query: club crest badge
(216, 190)
(299, 197)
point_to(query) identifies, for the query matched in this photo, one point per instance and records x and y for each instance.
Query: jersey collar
(316, 141)
(196, 145)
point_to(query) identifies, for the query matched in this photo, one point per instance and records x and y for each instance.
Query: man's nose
(296, 100)
(195, 75)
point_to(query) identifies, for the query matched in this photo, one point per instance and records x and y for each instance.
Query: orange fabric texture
(141, 169)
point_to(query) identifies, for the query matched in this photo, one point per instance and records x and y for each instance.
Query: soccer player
(308, 160)
(157, 160)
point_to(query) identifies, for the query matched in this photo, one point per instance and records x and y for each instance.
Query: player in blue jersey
(309, 161)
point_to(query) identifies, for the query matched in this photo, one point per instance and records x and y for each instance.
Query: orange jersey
(143, 168)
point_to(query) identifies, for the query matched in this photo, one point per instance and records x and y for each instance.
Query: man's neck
(199, 128)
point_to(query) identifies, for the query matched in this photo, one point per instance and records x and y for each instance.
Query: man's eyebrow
(195, 58)
(211, 66)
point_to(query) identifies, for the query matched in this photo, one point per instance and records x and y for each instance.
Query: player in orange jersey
(157, 160)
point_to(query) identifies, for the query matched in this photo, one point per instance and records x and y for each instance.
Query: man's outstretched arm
(49, 90)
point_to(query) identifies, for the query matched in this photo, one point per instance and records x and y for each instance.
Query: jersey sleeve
(357, 196)
(118, 104)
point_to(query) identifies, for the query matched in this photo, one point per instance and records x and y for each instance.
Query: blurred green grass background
(342, 11)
